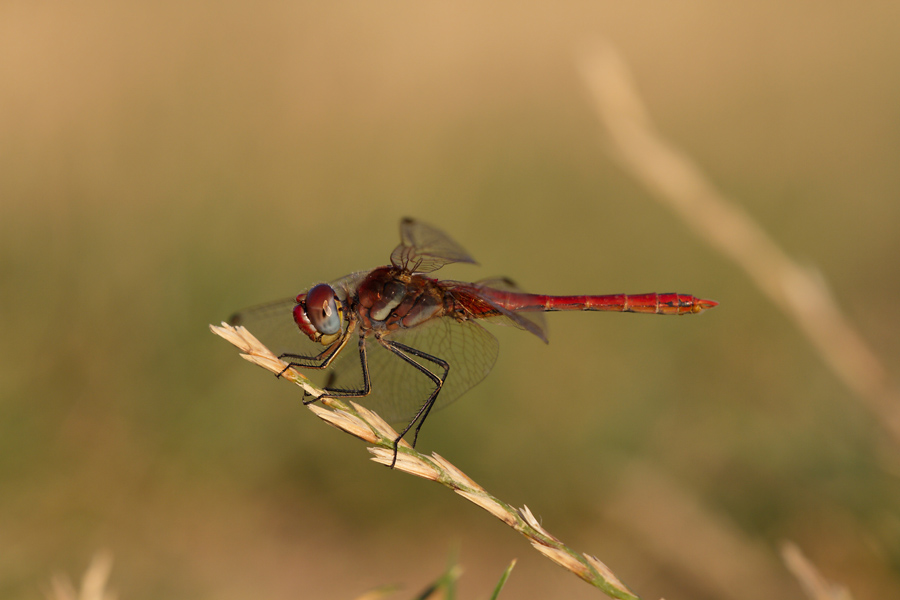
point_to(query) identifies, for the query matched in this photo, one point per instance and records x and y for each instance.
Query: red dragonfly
(420, 341)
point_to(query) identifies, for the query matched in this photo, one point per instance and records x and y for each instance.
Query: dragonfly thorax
(389, 300)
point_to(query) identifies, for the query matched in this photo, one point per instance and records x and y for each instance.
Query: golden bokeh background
(163, 164)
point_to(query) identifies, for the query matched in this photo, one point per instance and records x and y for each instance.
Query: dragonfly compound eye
(322, 309)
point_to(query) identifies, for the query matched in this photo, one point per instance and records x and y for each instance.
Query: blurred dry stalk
(812, 582)
(377, 594)
(678, 183)
(679, 530)
(93, 584)
(368, 426)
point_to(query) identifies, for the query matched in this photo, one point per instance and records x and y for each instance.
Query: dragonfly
(420, 342)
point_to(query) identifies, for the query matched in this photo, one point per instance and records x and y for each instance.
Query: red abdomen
(652, 303)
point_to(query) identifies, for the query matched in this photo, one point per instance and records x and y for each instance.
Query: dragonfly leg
(342, 393)
(402, 350)
(319, 361)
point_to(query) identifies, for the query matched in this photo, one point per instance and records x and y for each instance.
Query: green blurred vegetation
(163, 164)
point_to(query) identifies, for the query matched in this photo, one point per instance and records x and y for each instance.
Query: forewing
(424, 248)
(273, 325)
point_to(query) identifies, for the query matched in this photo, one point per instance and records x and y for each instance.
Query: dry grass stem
(605, 571)
(563, 559)
(346, 422)
(814, 585)
(377, 594)
(379, 424)
(254, 351)
(489, 504)
(455, 473)
(93, 584)
(529, 518)
(408, 463)
(368, 426)
(678, 183)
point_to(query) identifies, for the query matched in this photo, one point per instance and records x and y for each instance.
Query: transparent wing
(533, 322)
(486, 302)
(398, 389)
(424, 249)
(273, 325)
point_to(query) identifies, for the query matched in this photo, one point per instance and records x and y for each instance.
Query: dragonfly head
(319, 314)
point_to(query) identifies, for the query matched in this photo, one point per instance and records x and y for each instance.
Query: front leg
(344, 393)
(322, 360)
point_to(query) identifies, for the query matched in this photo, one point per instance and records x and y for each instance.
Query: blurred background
(165, 164)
